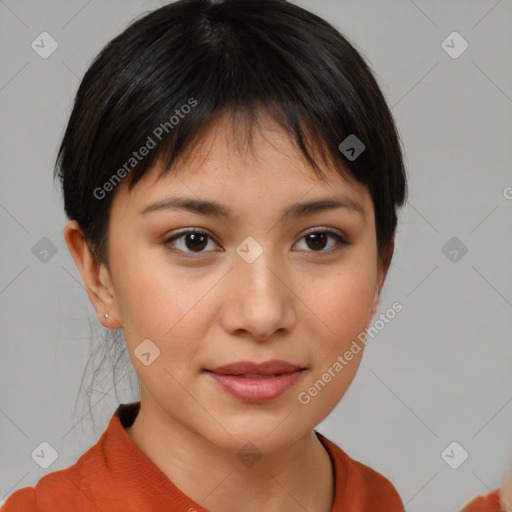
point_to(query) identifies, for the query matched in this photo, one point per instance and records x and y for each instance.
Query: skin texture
(300, 302)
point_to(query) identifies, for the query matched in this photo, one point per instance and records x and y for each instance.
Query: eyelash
(339, 238)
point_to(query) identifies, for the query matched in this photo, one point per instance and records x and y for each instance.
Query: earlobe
(379, 283)
(383, 267)
(95, 276)
(376, 298)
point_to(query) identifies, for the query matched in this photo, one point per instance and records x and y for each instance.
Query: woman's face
(254, 288)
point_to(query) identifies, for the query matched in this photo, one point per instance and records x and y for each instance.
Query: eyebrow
(219, 210)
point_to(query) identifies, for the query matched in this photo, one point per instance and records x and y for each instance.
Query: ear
(382, 271)
(95, 276)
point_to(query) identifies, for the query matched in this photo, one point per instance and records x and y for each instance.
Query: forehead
(236, 162)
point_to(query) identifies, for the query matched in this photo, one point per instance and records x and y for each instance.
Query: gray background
(439, 372)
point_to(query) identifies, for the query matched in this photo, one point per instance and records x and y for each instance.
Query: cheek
(341, 312)
(141, 295)
(161, 303)
(343, 299)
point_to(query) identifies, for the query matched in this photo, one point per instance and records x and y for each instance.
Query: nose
(260, 302)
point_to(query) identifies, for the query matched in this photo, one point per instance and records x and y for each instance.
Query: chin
(269, 432)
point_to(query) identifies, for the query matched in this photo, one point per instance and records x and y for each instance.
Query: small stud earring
(106, 315)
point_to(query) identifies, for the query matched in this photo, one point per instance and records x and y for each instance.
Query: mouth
(271, 368)
(257, 382)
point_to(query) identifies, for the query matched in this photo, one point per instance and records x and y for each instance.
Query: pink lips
(256, 383)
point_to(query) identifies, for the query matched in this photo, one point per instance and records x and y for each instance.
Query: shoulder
(56, 491)
(65, 489)
(359, 484)
(98, 477)
(22, 499)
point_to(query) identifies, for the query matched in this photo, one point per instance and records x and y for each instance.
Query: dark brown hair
(175, 69)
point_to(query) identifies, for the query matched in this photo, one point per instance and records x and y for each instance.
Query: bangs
(153, 91)
(174, 149)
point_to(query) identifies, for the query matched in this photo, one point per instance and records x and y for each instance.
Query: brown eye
(195, 241)
(191, 241)
(318, 239)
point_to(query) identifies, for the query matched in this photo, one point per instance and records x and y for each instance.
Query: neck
(296, 478)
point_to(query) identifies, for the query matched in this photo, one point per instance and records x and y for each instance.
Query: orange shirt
(115, 475)
(485, 503)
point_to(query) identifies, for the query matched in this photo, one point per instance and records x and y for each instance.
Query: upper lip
(273, 367)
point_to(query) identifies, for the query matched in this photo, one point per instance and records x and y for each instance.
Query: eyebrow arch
(215, 209)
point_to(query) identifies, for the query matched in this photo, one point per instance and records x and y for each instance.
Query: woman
(231, 173)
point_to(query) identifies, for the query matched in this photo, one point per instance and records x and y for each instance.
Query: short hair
(174, 70)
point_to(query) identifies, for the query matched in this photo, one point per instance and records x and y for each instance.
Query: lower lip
(257, 390)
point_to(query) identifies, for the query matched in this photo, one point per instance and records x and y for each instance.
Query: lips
(257, 382)
(250, 369)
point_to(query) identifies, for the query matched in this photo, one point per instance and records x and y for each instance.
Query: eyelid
(322, 229)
